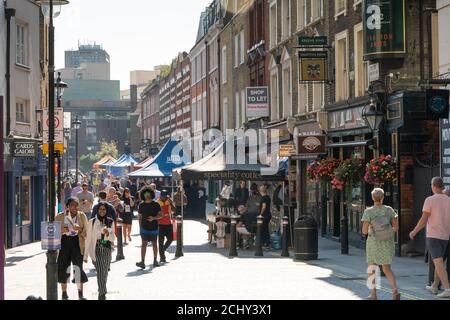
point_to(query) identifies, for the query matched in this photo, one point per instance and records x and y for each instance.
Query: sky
(137, 34)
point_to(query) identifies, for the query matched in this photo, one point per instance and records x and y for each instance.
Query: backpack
(381, 228)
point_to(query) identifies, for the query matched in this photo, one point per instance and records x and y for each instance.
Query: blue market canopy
(168, 159)
(216, 167)
(124, 162)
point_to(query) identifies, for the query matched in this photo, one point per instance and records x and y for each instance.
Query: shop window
(22, 201)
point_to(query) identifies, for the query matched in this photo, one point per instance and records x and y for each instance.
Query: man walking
(165, 224)
(76, 190)
(86, 199)
(436, 217)
(157, 192)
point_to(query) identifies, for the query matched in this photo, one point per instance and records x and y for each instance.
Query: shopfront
(26, 191)
(349, 137)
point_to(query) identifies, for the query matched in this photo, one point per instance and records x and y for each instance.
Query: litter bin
(306, 240)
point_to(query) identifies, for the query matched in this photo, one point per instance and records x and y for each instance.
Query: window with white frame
(236, 50)
(224, 64)
(242, 47)
(193, 113)
(237, 108)
(361, 81)
(340, 7)
(22, 111)
(287, 90)
(341, 63)
(316, 9)
(21, 44)
(243, 106)
(318, 96)
(301, 11)
(203, 63)
(286, 19)
(274, 114)
(225, 114)
(355, 4)
(302, 98)
(194, 67)
(204, 112)
(273, 24)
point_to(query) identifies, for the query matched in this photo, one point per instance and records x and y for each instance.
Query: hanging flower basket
(380, 171)
(323, 170)
(347, 173)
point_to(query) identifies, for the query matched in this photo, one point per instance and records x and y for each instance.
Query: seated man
(246, 226)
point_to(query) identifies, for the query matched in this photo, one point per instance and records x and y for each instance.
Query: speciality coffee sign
(310, 147)
(384, 29)
(24, 149)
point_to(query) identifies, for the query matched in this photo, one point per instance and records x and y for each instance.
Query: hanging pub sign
(310, 147)
(437, 102)
(313, 66)
(384, 29)
(320, 41)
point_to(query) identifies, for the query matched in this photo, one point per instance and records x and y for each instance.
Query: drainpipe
(9, 13)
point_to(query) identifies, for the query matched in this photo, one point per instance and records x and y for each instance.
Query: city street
(205, 272)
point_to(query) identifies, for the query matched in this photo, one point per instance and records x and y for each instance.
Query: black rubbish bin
(306, 240)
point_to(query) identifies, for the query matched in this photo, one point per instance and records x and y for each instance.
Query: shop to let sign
(257, 102)
(384, 29)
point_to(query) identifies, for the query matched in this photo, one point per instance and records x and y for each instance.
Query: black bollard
(344, 235)
(179, 252)
(233, 251)
(119, 255)
(284, 244)
(259, 252)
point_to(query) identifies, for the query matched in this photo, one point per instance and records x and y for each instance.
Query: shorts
(437, 247)
(149, 235)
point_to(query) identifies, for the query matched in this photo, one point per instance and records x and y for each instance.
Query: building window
(301, 12)
(286, 18)
(236, 50)
(302, 98)
(242, 47)
(22, 111)
(225, 114)
(274, 96)
(318, 96)
(316, 9)
(273, 24)
(204, 112)
(287, 91)
(340, 8)
(224, 64)
(21, 44)
(243, 106)
(341, 62)
(204, 63)
(355, 4)
(237, 109)
(361, 81)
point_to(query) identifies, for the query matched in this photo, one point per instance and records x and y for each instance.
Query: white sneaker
(445, 294)
(432, 289)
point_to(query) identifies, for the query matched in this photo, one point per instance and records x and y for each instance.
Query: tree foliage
(108, 148)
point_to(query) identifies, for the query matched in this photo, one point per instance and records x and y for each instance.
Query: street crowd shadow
(12, 261)
(139, 273)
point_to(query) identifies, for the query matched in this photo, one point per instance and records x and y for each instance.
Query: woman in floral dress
(380, 252)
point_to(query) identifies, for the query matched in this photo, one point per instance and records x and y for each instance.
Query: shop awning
(118, 167)
(103, 161)
(216, 167)
(168, 159)
(143, 163)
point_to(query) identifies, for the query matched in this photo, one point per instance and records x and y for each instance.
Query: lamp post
(47, 7)
(60, 87)
(373, 117)
(76, 124)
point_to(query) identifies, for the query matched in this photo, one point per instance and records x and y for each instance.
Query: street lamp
(60, 86)
(47, 10)
(76, 124)
(373, 117)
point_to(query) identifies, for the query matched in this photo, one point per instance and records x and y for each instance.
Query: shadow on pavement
(11, 261)
(139, 273)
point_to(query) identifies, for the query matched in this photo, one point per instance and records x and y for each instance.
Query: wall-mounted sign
(287, 150)
(384, 29)
(24, 149)
(257, 102)
(51, 235)
(313, 41)
(374, 72)
(310, 147)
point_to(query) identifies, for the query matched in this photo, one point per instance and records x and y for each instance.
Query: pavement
(207, 273)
